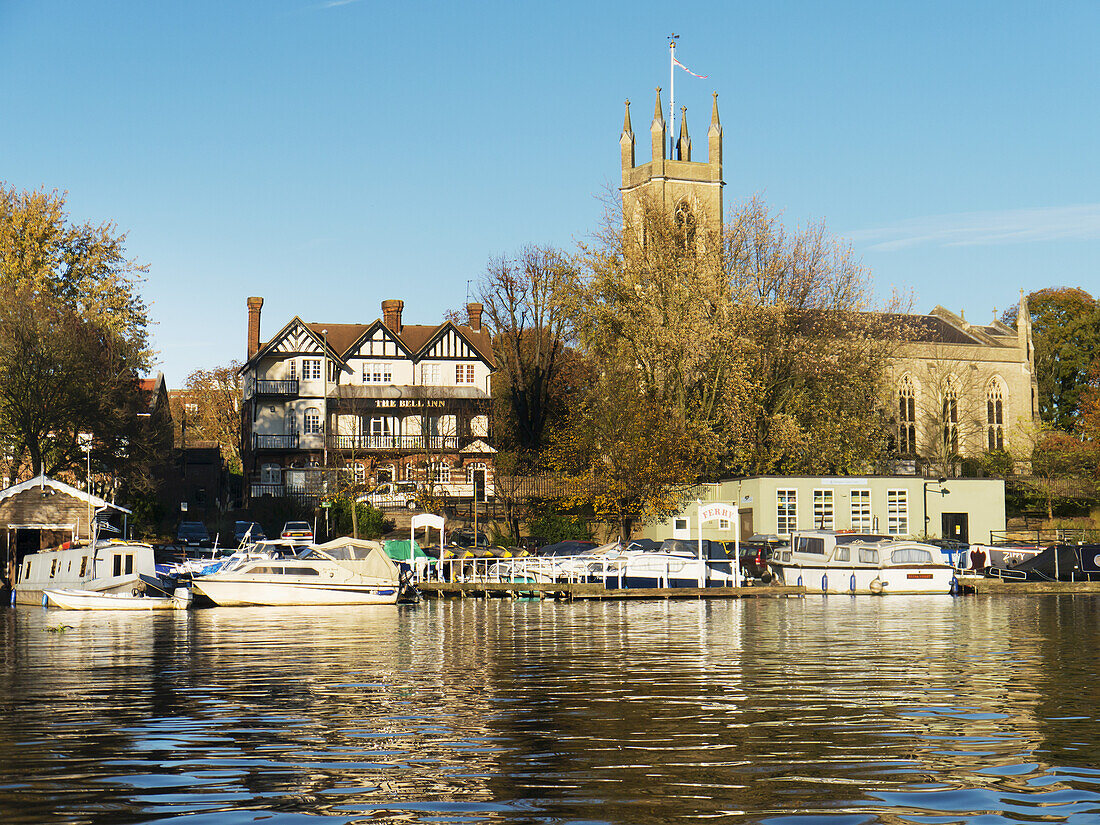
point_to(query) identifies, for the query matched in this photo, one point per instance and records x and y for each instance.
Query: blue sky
(329, 155)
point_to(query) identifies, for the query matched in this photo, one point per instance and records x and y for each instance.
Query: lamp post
(942, 492)
(85, 441)
(324, 425)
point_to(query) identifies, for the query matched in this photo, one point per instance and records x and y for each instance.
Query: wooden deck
(992, 587)
(584, 590)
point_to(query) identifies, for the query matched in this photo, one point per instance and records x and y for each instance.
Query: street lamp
(85, 442)
(324, 425)
(942, 492)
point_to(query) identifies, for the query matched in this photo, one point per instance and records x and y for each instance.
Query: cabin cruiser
(861, 563)
(344, 571)
(100, 566)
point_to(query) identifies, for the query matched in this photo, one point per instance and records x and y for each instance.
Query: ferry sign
(713, 512)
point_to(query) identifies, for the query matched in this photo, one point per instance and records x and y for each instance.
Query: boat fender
(824, 582)
(852, 583)
(876, 585)
(45, 600)
(954, 586)
(799, 582)
(136, 592)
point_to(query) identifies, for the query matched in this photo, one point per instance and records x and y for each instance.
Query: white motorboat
(72, 599)
(342, 572)
(101, 567)
(861, 563)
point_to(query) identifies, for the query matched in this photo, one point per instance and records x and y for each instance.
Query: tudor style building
(370, 403)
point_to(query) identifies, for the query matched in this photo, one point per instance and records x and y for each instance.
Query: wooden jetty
(989, 587)
(575, 591)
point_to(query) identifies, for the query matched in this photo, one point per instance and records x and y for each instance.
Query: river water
(793, 711)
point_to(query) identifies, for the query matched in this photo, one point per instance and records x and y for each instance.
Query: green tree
(73, 341)
(216, 396)
(1065, 328)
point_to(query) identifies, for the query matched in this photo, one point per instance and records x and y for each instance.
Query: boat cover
(368, 557)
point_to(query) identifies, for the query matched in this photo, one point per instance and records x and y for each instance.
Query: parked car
(390, 494)
(297, 532)
(192, 534)
(755, 553)
(466, 538)
(252, 529)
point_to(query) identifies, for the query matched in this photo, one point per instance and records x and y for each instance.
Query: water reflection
(834, 710)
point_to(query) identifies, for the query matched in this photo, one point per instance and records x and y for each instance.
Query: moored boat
(102, 567)
(72, 599)
(342, 572)
(861, 563)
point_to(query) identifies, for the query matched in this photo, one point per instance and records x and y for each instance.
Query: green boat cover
(405, 551)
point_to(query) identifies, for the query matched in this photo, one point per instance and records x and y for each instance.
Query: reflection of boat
(102, 567)
(858, 563)
(343, 571)
(72, 599)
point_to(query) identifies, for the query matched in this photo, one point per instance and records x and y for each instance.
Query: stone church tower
(692, 190)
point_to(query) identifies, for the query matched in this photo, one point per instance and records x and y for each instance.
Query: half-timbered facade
(372, 402)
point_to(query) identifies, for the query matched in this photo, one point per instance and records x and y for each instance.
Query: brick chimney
(473, 312)
(391, 314)
(254, 305)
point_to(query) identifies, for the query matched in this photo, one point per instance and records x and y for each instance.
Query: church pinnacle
(683, 145)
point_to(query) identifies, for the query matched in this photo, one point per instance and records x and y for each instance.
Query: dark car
(466, 538)
(252, 529)
(192, 534)
(755, 552)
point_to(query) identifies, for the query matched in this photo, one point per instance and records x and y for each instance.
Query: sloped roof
(341, 337)
(60, 487)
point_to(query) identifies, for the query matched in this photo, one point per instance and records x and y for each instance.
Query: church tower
(677, 184)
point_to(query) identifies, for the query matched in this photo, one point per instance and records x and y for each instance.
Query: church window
(994, 415)
(907, 417)
(685, 222)
(951, 420)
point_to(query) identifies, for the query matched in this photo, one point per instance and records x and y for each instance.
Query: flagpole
(672, 95)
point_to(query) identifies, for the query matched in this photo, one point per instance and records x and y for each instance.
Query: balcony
(393, 443)
(261, 490)
(275, 442)
(283, 388)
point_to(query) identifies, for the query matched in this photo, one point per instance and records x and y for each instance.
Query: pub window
(311, 368)
(312, 421)
(464, 373)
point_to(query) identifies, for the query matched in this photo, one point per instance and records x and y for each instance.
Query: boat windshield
(911, 555)
(344, 552)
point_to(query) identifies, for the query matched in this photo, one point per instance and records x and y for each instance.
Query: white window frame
(429, 374)
(464, 373)
(439, 472)
(862, 517)
(311, 369)
(786, 510)
(897, 512)
(311, 421)
(824, 509)
(377, 372)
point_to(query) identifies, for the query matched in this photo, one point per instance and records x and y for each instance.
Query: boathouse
(43, 512)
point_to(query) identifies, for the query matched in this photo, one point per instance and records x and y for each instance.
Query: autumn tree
(73, 338)
(210, 409)
(625, 455)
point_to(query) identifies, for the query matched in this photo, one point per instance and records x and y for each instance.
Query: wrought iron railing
(287, 386)
(395, 443)
(275, 442)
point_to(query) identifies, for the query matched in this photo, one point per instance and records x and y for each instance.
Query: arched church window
(994, 415)
(951, 419)
(907, 416)
(685, 223)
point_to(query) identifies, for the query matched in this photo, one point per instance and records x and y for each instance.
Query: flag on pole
(686, 69)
